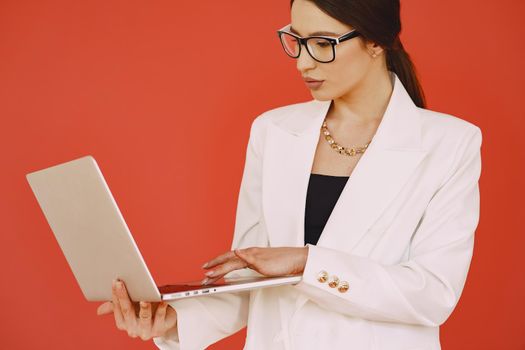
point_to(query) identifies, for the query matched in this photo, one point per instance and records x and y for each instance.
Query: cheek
(348, 68)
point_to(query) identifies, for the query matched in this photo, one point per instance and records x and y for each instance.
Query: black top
(323, 192)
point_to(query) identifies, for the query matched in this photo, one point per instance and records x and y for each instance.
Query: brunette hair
(379, 21)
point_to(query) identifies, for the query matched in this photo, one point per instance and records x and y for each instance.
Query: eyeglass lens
(319, 48)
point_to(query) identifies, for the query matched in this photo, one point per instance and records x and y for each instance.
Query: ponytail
(399, 62)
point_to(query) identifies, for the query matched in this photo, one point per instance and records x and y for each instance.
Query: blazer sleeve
(424, 289)
(204, 320)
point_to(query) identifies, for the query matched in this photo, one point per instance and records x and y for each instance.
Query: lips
(310, 80)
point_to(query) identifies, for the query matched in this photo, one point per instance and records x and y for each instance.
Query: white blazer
(401, 234)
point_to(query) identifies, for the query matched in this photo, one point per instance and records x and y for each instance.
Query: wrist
(304, 257)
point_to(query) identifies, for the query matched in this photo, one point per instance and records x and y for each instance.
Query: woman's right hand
(137, 318)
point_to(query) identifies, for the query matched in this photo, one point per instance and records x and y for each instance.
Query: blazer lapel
(392, 156)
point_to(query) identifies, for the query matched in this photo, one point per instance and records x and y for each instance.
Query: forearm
(407, 292)
(204, 320)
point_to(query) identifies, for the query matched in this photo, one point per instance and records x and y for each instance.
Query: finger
(127, 308)
(145, 322)
(105, 308)
(159, 323)
(170, 320)
(209, 280)
(117, 312)
(221, 259)
(221, 270)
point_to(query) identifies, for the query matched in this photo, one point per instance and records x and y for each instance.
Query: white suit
(401, 235)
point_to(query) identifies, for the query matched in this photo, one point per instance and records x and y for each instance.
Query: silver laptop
(98, 245)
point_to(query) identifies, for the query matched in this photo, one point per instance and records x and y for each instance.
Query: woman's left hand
(267, 261)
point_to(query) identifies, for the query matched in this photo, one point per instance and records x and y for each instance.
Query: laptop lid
(90, 230)
(98, 245)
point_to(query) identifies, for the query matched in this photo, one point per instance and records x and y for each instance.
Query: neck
(365, 104)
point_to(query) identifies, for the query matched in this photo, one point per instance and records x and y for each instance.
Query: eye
(322, 43)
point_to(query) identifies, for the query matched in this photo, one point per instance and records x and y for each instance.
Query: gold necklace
(341, 149)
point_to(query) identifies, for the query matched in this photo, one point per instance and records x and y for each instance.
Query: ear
(372, 48)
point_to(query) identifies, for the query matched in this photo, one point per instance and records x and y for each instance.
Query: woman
(382, 232)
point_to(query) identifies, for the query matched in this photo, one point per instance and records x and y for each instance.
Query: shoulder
(452, 142)
(446, 122)
(277, 116)
(447, 130)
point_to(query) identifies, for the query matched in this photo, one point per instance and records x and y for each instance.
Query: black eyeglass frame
(304, 41)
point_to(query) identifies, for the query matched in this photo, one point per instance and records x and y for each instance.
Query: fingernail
(205, 281)
(209, 273)
(205, 265)
(119, 285)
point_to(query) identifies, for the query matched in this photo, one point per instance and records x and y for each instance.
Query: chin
(320, 96)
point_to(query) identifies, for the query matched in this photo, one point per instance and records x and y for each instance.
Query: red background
(162, 94)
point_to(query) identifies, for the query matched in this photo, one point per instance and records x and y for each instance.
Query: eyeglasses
(320, 48)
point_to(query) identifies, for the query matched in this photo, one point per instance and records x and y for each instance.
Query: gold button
(343, 287)
(322, 276)
(333, 281)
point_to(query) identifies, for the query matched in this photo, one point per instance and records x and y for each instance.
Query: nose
(305, 61)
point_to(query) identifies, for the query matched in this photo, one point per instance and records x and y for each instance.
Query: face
(352, 59)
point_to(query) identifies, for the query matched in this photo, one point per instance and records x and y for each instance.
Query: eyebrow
(315, 33)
